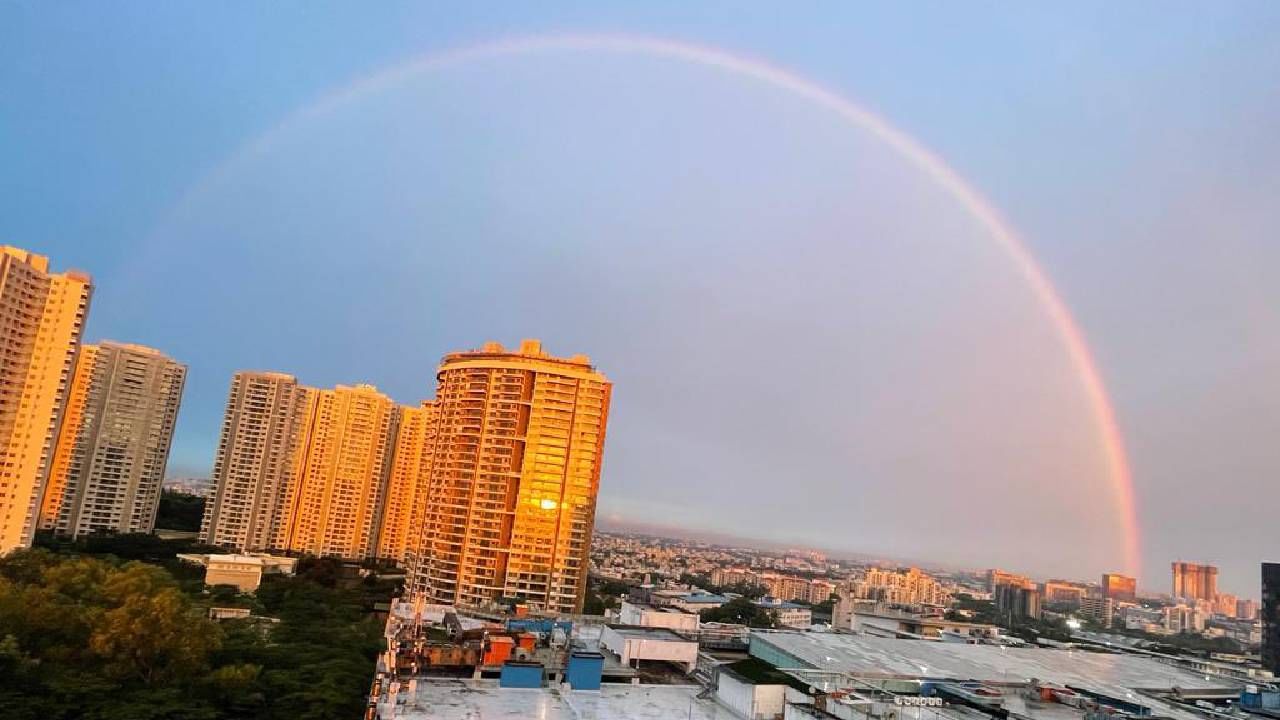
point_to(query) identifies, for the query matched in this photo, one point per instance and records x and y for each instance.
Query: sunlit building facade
(514, 477)
(114, 443)
(404, 509)
(1121, 588)
(254, 473)
(42, 316)
(341, 475)
(1195, 582)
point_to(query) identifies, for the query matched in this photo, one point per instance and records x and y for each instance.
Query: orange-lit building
(339, 487)
(263, 430)
(1195, 582)
(1119, 587)
(405, 507)
(514, 477)
(114, 442)
(42, 315)
(64, 454)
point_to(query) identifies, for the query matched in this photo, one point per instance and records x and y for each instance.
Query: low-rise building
(633, 644)
(1099, 609)
(788, 614)
(650, 616)
(242, 571)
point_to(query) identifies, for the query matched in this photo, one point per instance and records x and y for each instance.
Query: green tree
(179, 511)
(741, 611)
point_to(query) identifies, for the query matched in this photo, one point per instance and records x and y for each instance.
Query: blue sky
(722, 250)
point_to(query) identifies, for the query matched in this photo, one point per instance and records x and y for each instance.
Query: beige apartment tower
(42, 316)
(404, 510)
(114, 443)
(513, 480)
(342, 472)
(263, 430)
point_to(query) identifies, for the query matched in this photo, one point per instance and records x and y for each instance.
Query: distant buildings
(1120, 588)
(1017, 601)
(514, 477)
(1061, 591)
(1271, 617)
(1098, 609)
(1183, 619)
(43, 316)
(786, 587)
(788, 614)
(910, 587)
(997, 577)
(1194, 582)
(114, 443)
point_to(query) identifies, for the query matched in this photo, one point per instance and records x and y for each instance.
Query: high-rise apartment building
(1271, 617)
(1195, 582)
(263, 428)
(1120, 588)
(65, 449)
(514, 477)
(42, 316)
(404, 509)
(114, 442)
(341, 477)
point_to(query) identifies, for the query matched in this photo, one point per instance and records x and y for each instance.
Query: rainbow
(920, 157)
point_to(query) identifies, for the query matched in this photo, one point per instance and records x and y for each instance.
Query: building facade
(42, 316)
(1195, 582)
(514, 477)
(910, 587)
(1120, 588)
(254, 473)
(1271, 617)
(404, 509)
(343, 468)
(114, 443)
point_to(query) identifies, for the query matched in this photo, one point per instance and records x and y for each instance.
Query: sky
(811, 341)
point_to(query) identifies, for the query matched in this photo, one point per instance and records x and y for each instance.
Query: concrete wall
(754, 702)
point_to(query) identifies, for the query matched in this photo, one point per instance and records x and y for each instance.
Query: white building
(789, 614)
(243, 571)
(650, 616)
(632, 644)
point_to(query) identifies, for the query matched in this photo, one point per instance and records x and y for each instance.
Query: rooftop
(441, 699)
(640, 632)
(869, 656)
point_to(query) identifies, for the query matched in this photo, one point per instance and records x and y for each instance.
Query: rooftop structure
(873, 657)
(443, 699)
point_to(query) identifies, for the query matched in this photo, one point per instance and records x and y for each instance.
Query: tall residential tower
(114, 443)
(254, 474)
(42, 316)
(404, 510)
(512, 486)
(342, 472)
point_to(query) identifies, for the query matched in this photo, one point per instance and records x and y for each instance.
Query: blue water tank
(521, 675)
(584, 670)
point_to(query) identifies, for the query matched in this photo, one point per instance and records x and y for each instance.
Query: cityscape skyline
(944, 390)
